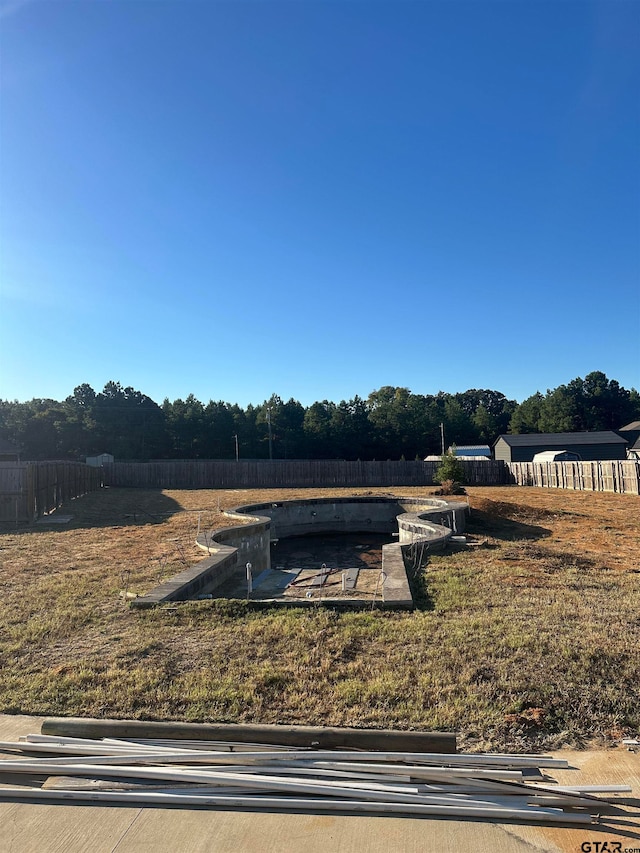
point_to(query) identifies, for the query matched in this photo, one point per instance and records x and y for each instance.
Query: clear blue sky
(318, 198)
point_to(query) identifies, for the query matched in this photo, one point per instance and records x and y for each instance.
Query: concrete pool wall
(352, 514)
(426, 520)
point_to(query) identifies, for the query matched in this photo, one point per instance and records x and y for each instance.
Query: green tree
(284, 422)
(458, 426)
(485, 424)
(605, 404)
(592, 403)
(526, 416)
(44, 431)
(352, 431)
(319, 430)
(128, 423)
(185, 425)
(219, 428)
(400, 422)
(498, 409)
(560, 411)
(450, 470)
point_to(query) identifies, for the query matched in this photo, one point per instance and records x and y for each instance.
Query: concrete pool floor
(308, 569)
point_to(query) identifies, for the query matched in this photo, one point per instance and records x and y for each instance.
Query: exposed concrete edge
(187, 584)
(396, 592)
(210, 541)
(413, 527)
(222, 546)
(215, 569)
(438, 505)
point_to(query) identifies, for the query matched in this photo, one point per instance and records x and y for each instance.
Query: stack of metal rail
(227, 775)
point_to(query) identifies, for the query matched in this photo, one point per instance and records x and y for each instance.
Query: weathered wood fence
(31, 489)
(289, 473)
(610, 476)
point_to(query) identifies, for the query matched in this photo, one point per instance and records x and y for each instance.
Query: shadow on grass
(419, 586)
(108, 507)
(483, 524)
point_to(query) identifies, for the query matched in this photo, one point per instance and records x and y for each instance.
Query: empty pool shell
(428, 521)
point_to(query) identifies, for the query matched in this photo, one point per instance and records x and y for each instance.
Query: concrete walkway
(31, 828)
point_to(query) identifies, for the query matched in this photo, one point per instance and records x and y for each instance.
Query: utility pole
(270, 436)
(442, 436)
(237, 454)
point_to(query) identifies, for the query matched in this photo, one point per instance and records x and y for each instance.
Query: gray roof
(634, 425)
(544, 439)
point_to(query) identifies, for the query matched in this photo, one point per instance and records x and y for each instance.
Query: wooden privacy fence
(31, 489)
(609, 476)
(289, 473)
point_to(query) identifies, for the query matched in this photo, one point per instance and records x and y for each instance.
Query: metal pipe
(252, 781)
(529, 815)
(424, 772)
(270, 754)
(209, 759)
(160, 743)
(68, 749)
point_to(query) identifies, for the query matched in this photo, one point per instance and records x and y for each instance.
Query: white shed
(100, 460)
(556, 456)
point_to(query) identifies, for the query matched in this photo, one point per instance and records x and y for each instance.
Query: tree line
(391, 423)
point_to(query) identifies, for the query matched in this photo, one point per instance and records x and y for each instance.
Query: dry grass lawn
(527, 641)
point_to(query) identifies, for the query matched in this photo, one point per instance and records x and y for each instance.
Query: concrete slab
(54, 519)
(276, 581)
(33, 828)
(351, 578)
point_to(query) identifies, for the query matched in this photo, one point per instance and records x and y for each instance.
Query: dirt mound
(512, 511)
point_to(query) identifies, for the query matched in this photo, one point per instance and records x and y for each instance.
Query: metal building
(471, 451)
(100, 459)
(589, 446)
(631, 432)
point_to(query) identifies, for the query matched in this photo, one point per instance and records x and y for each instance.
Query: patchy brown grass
(526, 641)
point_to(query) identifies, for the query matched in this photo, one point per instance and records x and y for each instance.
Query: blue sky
(318, 198)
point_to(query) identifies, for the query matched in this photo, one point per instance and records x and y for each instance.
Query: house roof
(634, 425)
(558, 439)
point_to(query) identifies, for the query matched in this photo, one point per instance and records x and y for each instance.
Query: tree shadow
(505, 529)
(108, 507)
